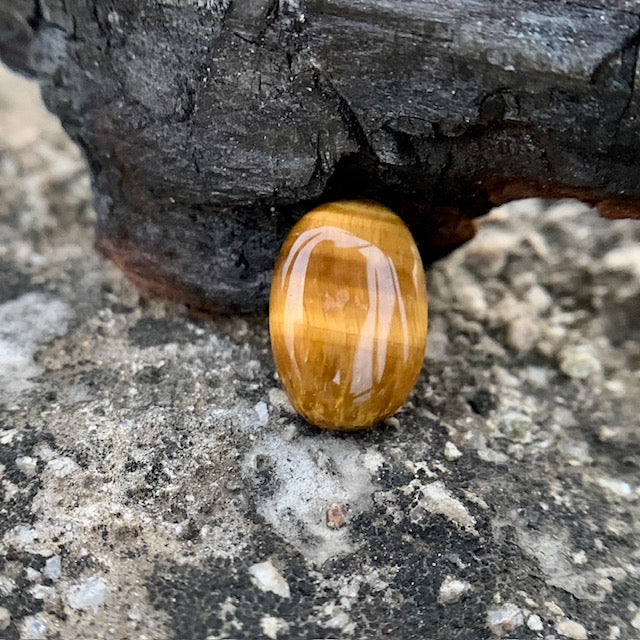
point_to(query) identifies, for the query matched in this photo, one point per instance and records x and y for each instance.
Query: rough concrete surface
(155, 483)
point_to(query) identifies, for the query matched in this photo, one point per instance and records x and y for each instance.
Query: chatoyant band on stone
(348, 314)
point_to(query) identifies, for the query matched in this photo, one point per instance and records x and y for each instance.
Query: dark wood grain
(210, 127)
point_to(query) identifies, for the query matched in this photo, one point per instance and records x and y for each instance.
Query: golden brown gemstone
(348, 314)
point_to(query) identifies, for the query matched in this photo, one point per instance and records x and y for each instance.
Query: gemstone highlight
(348, 314)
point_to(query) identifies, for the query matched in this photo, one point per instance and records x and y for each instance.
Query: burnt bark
(210, 126)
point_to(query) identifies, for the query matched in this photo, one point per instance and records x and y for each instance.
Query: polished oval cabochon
(348, 314)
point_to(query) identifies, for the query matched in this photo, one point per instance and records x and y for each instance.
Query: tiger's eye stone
(348, 314)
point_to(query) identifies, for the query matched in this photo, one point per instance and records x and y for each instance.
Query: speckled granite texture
(155, 483)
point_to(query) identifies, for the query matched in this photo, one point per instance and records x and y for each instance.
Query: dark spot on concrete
(482, 402)
(152, 332)
(13, 282)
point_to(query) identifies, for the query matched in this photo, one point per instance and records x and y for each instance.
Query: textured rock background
(155, 484)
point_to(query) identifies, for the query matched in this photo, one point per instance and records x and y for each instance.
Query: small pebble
(579, 362)
(25, 535)
(452, 589)
(438, 499)
(272, 626)
(267, 578)
(553, 608)
(534, 622)
(263, 413)
(61, 467)
(620, 488)
(392, 421)
(40, 592)
(571, 629)
(278, 398)
(451, 452)
(32, 574)
(623, 259)
(53, 568)
(539, 298)
(7, 585)
(28, 465)
(372, 461)
(32, 628)
(605, 434)
(522, 334)
(635, 621)
(337, 515)
(505, 619)
(5, 618)
(88, 594)
(337, 617)
(516, 426)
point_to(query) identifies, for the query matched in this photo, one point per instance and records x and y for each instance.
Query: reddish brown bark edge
(151, 279)
(503, 189)
(450, 231)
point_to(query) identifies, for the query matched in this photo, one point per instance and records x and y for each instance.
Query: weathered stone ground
(155, 483)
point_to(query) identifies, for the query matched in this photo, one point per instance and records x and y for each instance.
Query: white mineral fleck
(263, 413)
(272, 626)
(372, 461)
(623, 259)
(538, 297)
(24, 538)
(620, 488)
(61, 467)
(28, 465)
(25, 534)
(337, 617)
(266, 577)
(505, 619)
(135, 614)
(579, 362)
(32, 628)
(392, 421)
(471, 297)
(635, 621)
(5, 618)
(310, 478)
(522, 334)
(534, 622)
(437, 342)
(278, 398)
(606, 433)
(452, 589)
(553, 608)
(7, 585)
(516, 426)
(26, 323)
(490, 248)
(32, 574)
(451, 452)
(40, 592)
(88, 594)
(571, 629)
(53, 568)
(438, 499)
